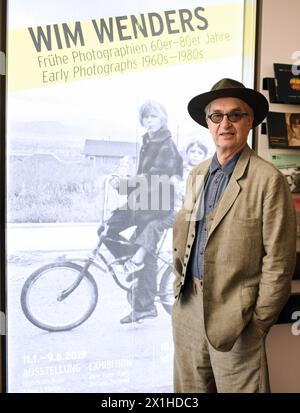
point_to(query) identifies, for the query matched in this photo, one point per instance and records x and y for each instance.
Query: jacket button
(189, 246)
(175, 249)
(187, 255)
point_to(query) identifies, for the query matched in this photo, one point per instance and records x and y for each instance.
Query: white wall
(278, 39)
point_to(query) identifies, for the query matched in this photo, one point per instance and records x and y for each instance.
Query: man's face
(230, 136)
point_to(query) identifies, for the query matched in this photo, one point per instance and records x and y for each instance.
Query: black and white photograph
(293, 177)
(293, 127)
(289, 165)
(283, 130)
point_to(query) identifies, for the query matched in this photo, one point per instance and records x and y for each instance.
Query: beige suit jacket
(250, 252)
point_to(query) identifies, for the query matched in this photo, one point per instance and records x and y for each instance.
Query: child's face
(195, 155)
(296, 128)
(152, 122)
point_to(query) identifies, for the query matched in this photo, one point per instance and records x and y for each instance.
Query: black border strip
(3, 10)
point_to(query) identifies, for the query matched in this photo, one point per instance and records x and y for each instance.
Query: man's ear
(251, 120)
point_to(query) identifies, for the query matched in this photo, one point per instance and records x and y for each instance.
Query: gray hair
(206, 109)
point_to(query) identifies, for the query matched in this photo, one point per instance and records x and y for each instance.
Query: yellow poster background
(77, 54)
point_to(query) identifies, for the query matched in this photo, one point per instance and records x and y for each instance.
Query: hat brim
(254, 99)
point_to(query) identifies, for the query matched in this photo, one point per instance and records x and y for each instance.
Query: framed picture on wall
(288, 83)
(283, 130)
(289, 165)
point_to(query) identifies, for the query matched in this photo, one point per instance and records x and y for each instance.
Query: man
(234, 251)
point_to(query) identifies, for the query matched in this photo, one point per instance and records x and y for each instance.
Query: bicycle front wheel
(41, 297)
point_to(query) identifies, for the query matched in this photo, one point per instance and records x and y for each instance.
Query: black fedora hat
(229, 88)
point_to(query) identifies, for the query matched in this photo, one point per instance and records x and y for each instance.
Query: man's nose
(226, 122)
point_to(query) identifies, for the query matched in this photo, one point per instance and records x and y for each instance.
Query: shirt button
(201, 252)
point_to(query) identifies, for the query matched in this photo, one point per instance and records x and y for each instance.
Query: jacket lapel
(224, 206)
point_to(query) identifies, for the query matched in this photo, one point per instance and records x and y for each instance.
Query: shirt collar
(228, 168)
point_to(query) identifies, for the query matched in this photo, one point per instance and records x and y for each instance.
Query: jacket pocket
(244, 228)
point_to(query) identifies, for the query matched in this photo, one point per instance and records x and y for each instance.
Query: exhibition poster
(83, 80)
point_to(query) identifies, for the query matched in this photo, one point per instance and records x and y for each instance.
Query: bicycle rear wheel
(41, 302)
(166, 293)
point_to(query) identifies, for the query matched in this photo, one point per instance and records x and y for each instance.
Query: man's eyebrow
(237, 109)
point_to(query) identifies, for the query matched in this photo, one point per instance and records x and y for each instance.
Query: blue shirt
(215, 186)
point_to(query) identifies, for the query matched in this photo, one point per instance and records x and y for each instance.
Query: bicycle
(70, 293)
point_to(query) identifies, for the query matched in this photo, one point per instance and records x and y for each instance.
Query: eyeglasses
(231, 116)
